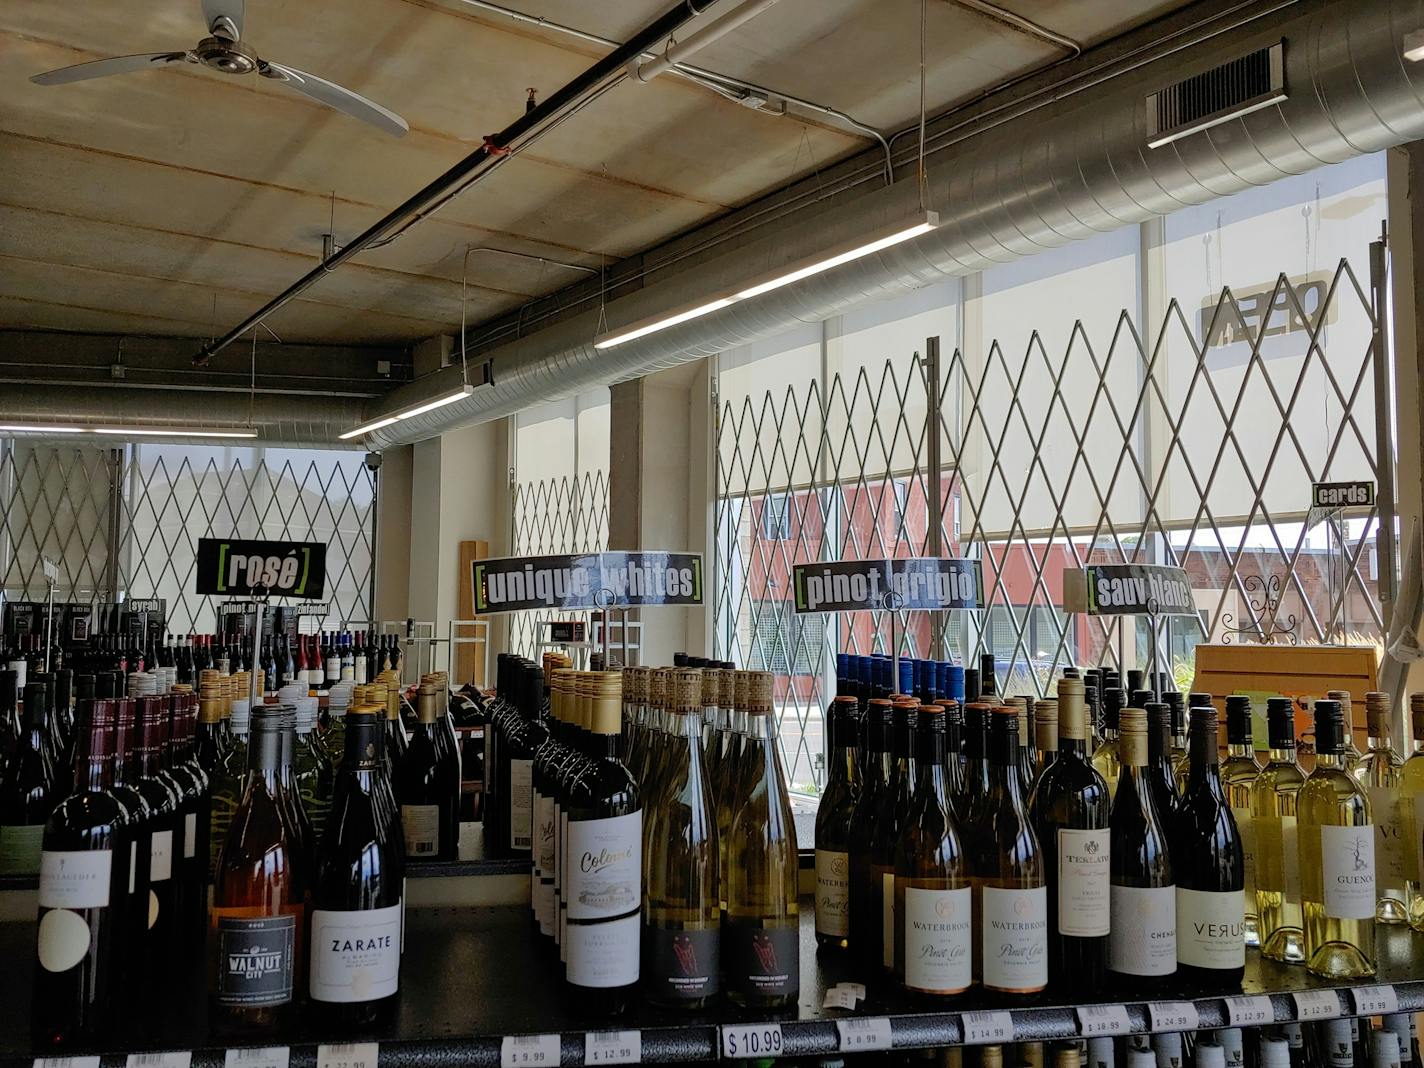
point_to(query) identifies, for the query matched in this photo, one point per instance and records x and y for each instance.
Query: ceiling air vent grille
(1229, 91)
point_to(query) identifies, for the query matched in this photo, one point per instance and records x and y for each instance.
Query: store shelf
(474, 975)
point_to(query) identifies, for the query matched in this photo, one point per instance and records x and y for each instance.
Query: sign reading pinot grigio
(919, 582)
(1138, 589)
(587, 580)
(262, 568)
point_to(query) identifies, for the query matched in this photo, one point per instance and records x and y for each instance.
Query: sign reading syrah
(1357, 494)
(920, 582)
(263, 568)
(1138, 589)
(587, 580)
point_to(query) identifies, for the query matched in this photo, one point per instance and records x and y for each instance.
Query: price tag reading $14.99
(864, 1034)
(529, 1051)
(1095, 1020)
(613, 1047)
(740, 1041)
(987, 1028)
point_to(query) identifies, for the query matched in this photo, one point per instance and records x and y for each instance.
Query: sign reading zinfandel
(920, 582)
(1138, 589)
(587, 580)
(265, 568)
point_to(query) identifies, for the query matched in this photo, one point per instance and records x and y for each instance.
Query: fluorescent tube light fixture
(18, 428)
(367, 428)
(864, 245)
(1414, 45)
(438, 402)
(127, 431)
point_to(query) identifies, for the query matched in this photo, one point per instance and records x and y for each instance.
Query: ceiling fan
(223, 51)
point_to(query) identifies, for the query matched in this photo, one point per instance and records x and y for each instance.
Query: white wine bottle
(1273, 815)
(833, 817)
(1337, 858)
(1351, 751)
(1411, 812)
(1238, 774)
(1106, 759)
(1379, 774)
(761, 937)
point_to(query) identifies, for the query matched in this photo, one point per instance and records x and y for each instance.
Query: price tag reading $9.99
(348, 1055)
(613, 1047)
(529, 1051)
(1375, 1000)
(1095, 1020)
(1249, 1011)
(987, 1028)
(740, 1041)
(864, 1034)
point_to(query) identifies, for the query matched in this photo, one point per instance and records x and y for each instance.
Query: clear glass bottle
(1352, 753)
(1337, 858)
(1238, 774)
(1045, 731)
(1107, 759)
(833, 818)
(1379, 773)
(1274, 796)
(1411, 810)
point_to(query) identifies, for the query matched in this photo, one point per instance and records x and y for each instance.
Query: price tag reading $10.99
(740, 1041)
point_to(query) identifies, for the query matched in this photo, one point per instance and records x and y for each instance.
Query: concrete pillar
(393, 533)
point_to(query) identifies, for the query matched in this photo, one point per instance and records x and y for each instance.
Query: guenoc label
(256, 959)
(20, 847)
(355, 956)
(521, 803)
(1246, 830)
(763, 961)
(1084, 877)
(1389, 837)
(939, 939)
(887, 919)
(681, 964)
(1211, 928)
(1143, 940)
(605, 867)
(160, 857)
(1014, 936)
(832, 893)
(77, 879)
(1347, 868)
(602, 954)
(421, 826)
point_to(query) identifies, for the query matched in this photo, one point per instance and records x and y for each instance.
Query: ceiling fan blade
(229, 10)
(102, 68)
(334, 96)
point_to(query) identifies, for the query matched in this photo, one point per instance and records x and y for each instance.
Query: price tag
(1095, 1020)
(1375, 1000)
(1316, 1004)
(864, 1034)
(1173, 1016)
(529, 1051)
(740, 1041)
(1249, 1011)
(346, 1055)
(258, 1057)
(66, 1062)
(987, 1028)
(172, 1059)
(838, 997)
(613, 1047)
(858, 989)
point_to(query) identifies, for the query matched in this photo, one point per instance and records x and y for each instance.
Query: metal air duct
(1071, 164)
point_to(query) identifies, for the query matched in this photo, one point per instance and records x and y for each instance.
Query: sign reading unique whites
(587, 580)
(267, 568)
(1357, 494)
(918, 582)
(1138, 589)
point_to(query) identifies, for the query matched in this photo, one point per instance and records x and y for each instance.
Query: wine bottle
(934, 935)
(76, 966)
(889, 818)
(761, 940)
(583, 746)
(1045, 729)
(728, 787)
(26, 789)
(191, 846)
(1337, 858)
(833, 818)
(1206, 847)
(165, 934)
(1238, 774)
(257, 921)
(1274, 795)
(605, 850)
(1028, 757)
(1379, 774)
(386, 692)
(1351, 751)
(429, 788)
(976, 764)
(142, 959)
(314, 774)
(1411, 812)
(357, 910)
(1106, 758)
(1011, 943)
(1142, 946)
(682, 921)
(1070, 812)
(563, 691)
(1160, 777)
(865, 909)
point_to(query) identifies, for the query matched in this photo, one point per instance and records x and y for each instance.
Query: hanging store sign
(923, 582)
(1131, 590)
(262, 568)
(587, 580)
(1357, 494)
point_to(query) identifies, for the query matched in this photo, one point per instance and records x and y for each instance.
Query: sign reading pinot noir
(922, 582)
(587, 580)
(1138, 589)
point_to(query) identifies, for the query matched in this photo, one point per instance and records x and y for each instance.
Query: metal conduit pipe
(1076, 167)
(685, 50)
(562, 101)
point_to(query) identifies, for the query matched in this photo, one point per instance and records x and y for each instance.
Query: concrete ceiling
(170, 202)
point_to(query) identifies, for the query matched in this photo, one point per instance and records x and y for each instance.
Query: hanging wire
(464, 269)
(920, 164)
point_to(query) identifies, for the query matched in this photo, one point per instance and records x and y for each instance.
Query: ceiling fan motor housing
(228, 57)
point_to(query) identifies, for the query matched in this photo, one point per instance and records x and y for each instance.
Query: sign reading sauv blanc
(587, 580)
(920, 582)
(1138, 589)
(275, 568)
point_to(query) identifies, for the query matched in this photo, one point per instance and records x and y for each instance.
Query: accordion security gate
(127, 520)
(1193, 443)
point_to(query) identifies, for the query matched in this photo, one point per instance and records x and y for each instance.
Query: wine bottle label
(160, 857)
(521, 804)
(605, 871)
(190, 836)
(681, 965)
(1143, 940)
(832, 893)
(256, 959)
(355, 956)
(939, 935)
(1347, 868)
(1246, 829)
(359, 669)
(1389, 837)
(1211, 928)
(605, 954)
(63, 940)
(1084, 882)
(76, 879)
(421, 824)
(763, 961)
(887, 919)
(1015, 938)
(333, 668)
(20, 848)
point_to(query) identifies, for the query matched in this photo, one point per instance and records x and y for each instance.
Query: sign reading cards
(921, 582)
(1138, 589)
(275, 568)
(1357, 494)
(587, 580)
